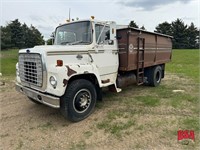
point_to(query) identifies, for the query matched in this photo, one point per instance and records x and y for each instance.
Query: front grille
(30, 69)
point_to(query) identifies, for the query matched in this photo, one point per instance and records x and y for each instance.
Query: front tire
(79, 100)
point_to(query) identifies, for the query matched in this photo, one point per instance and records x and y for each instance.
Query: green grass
(4, 135)
(118, 128)
(117, 122)
(190, 123)
(136, 101)
(20, 144)
(148, 100)
(186, 63)
(9, 59)
(81, 145)
(88, 134)
(46, 126)
(180, 100)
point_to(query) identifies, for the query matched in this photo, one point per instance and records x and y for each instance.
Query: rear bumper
(40, 97)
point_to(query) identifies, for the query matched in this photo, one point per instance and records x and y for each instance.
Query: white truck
(87, 56)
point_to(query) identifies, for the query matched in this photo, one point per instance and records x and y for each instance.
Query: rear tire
(79, 100)
(155, 76)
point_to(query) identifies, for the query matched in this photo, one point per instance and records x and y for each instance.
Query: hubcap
(82, 100)
(158, 77)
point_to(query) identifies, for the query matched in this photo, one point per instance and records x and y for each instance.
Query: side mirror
(107, 37)
(119, 37)
(53, 35)
(110, 42)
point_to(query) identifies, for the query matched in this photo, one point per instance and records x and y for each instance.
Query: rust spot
(65, 82)
(70, 71)
(105, 81)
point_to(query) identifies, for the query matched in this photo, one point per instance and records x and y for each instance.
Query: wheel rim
(82, 100)
(158, 77)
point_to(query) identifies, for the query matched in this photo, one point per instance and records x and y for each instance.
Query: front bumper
(38, 96)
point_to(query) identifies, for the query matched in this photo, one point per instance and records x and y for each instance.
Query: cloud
(46, 28)
(36, 18)
(189, 19)
(56, 19)
(149, 4)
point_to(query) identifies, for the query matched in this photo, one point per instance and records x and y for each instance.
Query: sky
(46, 15)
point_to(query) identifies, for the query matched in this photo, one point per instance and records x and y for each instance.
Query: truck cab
(70, 74)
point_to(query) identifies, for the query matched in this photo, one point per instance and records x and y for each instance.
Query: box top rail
(126, 27)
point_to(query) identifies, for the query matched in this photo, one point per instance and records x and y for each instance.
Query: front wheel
(79, 100)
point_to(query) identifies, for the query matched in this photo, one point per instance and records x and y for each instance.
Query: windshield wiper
(73, 43)
(63, 43)
(78, 42)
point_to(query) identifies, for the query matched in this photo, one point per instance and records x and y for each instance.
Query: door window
(105, 36)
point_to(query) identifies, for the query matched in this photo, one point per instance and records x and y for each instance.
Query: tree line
(184, 36)
(17, 35)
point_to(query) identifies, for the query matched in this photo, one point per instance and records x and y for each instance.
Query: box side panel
(132, 50)
(157, 49)
(150, 48)
(164, 49)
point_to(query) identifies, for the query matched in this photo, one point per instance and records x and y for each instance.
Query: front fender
(65, 73)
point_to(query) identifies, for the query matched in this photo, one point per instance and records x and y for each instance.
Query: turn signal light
(59, 63)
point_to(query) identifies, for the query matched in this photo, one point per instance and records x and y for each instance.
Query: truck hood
(45, 49)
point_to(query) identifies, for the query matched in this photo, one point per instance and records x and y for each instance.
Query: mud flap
(113, 88)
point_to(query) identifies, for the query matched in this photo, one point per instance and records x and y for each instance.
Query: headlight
(53, 81)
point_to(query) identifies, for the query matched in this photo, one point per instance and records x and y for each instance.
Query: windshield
(74, 34)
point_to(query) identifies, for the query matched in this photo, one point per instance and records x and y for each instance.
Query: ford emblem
(28, 51)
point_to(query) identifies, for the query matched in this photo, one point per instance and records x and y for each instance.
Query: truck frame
(87, 56)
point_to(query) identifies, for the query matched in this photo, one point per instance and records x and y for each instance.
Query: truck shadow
(43, 113)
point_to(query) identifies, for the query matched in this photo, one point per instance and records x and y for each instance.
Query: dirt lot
(122, 121)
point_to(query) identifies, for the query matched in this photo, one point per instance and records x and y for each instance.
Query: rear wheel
(79, 100)
(155, 76)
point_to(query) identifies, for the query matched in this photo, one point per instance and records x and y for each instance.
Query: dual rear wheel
(154, 75)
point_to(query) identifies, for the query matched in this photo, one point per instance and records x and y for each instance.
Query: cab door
(106, 58)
